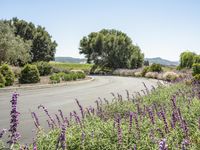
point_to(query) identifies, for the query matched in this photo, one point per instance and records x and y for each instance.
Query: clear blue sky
(161, 28)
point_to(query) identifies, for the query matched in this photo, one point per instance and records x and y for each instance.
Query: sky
(161, 28)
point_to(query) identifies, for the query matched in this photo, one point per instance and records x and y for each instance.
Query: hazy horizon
(160, 29)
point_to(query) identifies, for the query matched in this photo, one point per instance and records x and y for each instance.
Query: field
(72, 66)
(166, 117)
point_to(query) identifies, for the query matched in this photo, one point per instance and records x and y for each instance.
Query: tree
(197, 59)
(112, 49)
(43, 47)
(13, 49)
(187, 59)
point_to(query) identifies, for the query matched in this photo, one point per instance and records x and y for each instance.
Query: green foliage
(187, 59)
(29, 74)
(61, 76)
(197, 59)
(155, 68)
(2, 81)
(146, 63)
(66, 67)
(8, 74)
(43, 48)
(195, 69)
(112, 49)
(145, 70)
(44, 68)
(197, 77)
(13, 49)
(55, 78)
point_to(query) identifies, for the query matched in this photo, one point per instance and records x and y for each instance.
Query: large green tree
(13, 49)
(111, 48)
(187, 59)
(43, 47)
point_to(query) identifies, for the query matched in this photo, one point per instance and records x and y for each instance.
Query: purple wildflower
(163, 145)
(2, 132)
(185, 127)
(35, 119)
(199, 123)
(62, 138)
(47, 113)
(128, 95)
(151, 115)
(61, 115)
(130, 121)
(119, 130)
(14, 135)
(184, 144)
(58, 119)
(81, 108)
(165, 121)
(34, 145)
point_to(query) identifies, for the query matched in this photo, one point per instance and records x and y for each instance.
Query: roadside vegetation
(166, 117)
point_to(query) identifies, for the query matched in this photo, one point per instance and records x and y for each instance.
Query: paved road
(64, 98)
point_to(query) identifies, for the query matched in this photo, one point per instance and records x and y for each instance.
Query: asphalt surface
(64, 98)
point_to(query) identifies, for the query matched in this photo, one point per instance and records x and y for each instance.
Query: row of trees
(22, 42)
(112, 49)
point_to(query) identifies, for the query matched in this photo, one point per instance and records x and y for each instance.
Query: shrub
(56, 69)
(29, 74)
(2, 81)
(67, 77)
(197, 77)
(155, 68)
(195, 69)
(8, 74)
(80, 75)
(170, 76)
(145, 70)
(44, 68)
(153, 75)
(55, 78)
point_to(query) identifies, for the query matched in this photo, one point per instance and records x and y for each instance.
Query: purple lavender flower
(58, 119)
(61, 142)
(47, 113)
(151, 116)
(34, 145)
(137, 124)
(119, 130)
(83, 138)
(165, 121)
(81, 108)
(61, 115)
(185, 128)
(162, 145)
(2, 132)
(130, 121)
(128, 95)
(35, 119)
(14, 135)
(173, 99)
(199, 123)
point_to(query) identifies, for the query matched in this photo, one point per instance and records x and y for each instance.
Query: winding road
(64, 98)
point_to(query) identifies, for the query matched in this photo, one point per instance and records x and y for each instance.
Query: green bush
(145, 70)
(8, 74)
(29, 74)
(67, 77)
(80, 75)
(197, 77)
(55, 78)
(44, 68)
(2, 81)
(195, 69)
(155, 68)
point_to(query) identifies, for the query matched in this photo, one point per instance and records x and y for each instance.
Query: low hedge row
(61, 76)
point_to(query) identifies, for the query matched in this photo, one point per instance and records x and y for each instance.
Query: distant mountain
(161, 61)
(70, 60)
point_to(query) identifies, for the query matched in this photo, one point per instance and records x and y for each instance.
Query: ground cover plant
(66, 67)
(158, 118)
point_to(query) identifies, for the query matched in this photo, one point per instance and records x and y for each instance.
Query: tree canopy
(187, 59)
(13, 49)
(43, 47)
(111, 48)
